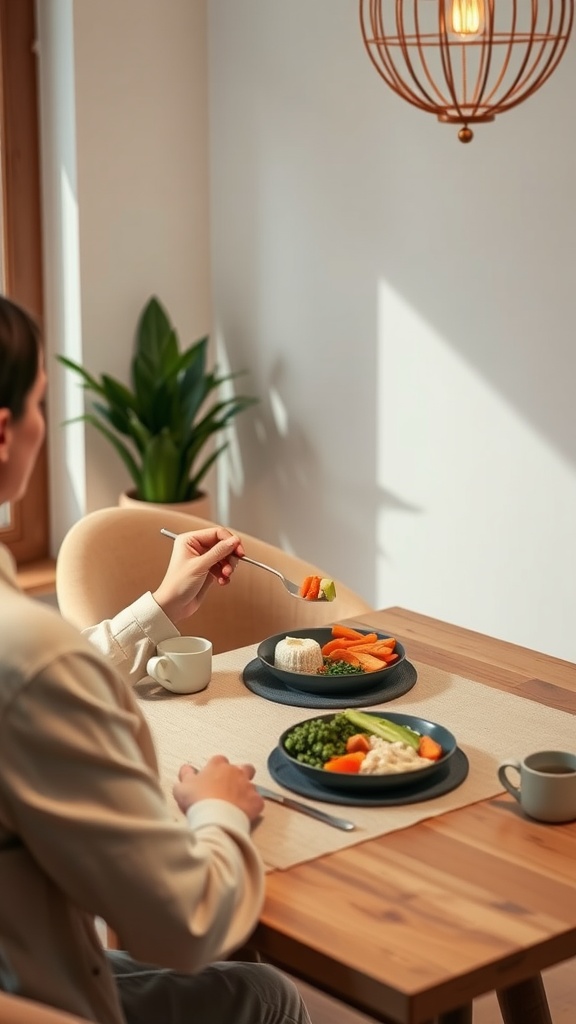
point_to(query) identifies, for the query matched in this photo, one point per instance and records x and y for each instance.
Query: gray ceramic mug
(547, 784)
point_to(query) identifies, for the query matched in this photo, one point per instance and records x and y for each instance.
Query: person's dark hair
(19, 355)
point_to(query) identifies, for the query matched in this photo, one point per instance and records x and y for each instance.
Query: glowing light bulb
(467, 17)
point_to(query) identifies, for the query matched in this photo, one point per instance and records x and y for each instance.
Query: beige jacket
(85, 829)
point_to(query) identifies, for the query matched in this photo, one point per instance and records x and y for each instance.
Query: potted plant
(161, 425)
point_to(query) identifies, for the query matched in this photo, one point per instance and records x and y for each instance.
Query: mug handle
(157, 668)
(514, 790)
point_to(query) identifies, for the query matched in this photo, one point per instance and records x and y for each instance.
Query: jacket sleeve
(130, 638)
(81, 787)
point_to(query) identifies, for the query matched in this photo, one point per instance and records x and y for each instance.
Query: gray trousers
(222, 993)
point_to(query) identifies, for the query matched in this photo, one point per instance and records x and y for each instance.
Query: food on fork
(298, 654)
(318, 588)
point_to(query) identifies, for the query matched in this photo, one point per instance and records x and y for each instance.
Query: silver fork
(292, 588)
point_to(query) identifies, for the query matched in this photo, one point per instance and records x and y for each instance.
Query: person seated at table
(85, 829)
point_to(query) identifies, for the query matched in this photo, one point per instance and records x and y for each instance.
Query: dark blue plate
(258, 679)
(444, 781)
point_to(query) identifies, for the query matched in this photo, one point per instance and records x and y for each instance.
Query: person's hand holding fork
(197, 560)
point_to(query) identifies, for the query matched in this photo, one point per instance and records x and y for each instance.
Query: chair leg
(525, 1003)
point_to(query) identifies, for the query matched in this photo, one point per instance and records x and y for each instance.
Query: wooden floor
(560, 983)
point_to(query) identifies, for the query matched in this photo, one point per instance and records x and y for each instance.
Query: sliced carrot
(314, 589)
(344, 655)
(357, 742)
(337, 644)
(379, 645)
(429, 748)
(378, 652)
(347, 633)
(368, 661)
(346, 763)
(305, 586)
(367, 640)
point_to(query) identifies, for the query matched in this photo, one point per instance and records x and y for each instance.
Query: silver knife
(313, 812)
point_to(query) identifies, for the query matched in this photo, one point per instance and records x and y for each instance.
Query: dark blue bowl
(366, 783)
(327, 686)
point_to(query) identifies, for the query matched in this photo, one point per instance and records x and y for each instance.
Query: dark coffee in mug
(555, 769)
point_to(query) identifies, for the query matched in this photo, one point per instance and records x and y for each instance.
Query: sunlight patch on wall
(71, 339)
(476, 507)
(229, 468)
(279, 412)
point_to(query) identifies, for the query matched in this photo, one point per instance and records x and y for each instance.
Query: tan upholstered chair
(111, 556)
(15, 1010)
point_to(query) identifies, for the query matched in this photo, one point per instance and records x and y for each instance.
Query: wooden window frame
(27, 536)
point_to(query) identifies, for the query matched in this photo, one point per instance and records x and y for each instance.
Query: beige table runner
(229, 719)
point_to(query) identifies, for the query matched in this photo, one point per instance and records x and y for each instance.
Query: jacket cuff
(149, 618)
(220, 813)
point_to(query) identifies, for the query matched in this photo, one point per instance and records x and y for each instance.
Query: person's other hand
(219, 780)
(198, 559)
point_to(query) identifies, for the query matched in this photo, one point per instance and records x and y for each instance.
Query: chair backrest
(16, 1010)
(112, 556)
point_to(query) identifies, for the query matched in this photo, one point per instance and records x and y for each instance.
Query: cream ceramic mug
(547, 784)
(183, 664)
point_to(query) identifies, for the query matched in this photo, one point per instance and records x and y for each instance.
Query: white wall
(406, 304)
(125, 146)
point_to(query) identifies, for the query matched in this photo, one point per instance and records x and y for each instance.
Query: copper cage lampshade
(466, 60)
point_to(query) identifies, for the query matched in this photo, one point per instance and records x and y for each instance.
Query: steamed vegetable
(358, 742)
(347, 633)
(349, 763)
(315, 588)
(372, 653)
(386, 730)
(316, 741)
(340, 668)
(429, 748)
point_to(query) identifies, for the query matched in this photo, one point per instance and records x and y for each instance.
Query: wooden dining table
(380, 925)
(412, 926)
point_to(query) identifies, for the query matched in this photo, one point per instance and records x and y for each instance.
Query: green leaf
(195, 481)
(153, 330)
(161, 469)
(90, 383)
(148, 376)
(118, 420)
(118, 395)
(124, 452)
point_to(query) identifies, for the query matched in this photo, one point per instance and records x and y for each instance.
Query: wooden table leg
(525, 1003)
(463, 1015)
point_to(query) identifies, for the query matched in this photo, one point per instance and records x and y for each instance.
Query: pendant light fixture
(466, 60)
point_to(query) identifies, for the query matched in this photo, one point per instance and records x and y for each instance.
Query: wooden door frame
(28, 535)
